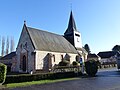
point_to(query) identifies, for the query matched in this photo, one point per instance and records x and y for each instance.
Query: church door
(24, 63)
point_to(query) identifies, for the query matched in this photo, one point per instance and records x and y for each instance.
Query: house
(107, 56)
(93, 57)
(9, 60)
(118, 60)
(41, 50)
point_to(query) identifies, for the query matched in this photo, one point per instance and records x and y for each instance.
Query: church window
(77, 58)
(24, 63)
(26, 45)
(77, 35)
(62, 57)
(54, 58)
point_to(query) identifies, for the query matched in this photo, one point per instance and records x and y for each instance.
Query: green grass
(22, 84)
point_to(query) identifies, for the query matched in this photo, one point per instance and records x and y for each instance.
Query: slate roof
(8, 56)
(47, 41)
(71, 25)
(92, 56)
(107, 54)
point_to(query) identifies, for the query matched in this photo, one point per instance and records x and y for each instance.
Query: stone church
(41, 50)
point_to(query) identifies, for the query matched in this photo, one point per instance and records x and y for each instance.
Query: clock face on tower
(77, 39)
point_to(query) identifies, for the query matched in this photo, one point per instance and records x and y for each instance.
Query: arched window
(54, 58)
(77, 58)
(62, 57)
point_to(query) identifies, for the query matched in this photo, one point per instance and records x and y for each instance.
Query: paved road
(107, 79)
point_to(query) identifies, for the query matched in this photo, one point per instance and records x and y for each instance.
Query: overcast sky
(97, 20)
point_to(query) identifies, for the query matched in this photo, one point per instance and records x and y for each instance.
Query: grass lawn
(22, 84)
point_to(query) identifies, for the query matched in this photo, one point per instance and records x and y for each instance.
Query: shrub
(64, 63)
(99, 64)
(3, 70)
(74, 63)
(35, 77)
(91, 67)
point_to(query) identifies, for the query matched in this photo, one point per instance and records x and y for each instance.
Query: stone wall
(55, 58)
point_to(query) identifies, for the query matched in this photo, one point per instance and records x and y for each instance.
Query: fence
(108, 64)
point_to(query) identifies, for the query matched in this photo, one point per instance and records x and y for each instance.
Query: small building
(118, 60)
(107, 57)
(93, 57)
(9, 60)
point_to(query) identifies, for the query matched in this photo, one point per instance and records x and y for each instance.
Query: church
(41, 50)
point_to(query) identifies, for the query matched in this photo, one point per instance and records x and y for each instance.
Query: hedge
(64, 63)
(74, 63)
(35, 77)
(3, 70)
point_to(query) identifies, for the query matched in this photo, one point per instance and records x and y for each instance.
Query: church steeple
(72, 34)
(72, 22)
(71, 25)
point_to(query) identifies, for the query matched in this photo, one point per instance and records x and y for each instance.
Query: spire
(71, 25)
(72, 22)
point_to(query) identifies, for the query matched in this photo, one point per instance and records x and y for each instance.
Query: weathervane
(25, 22)
(71, 5)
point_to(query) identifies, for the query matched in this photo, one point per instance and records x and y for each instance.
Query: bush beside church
(3, 70)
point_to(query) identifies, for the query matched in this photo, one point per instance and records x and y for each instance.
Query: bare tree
(7, 45)
(0, 43)
(12, 44)
(3, 46)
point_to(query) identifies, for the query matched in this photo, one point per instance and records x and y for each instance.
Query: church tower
(72, 34)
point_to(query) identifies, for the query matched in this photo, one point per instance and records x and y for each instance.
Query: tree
(91, 67)
(3, 71)
(64, 63)
(116, 48)
(87, 48)
(7, 45)
(3, 46)
(12, 44)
